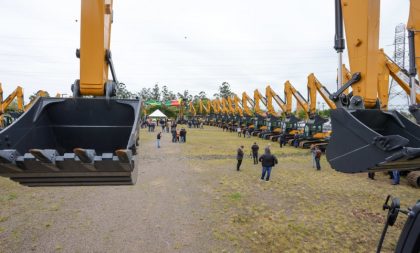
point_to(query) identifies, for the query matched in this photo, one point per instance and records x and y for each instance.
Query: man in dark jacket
(282, 140)
(255, 149)
(239, 157)
(268, 161)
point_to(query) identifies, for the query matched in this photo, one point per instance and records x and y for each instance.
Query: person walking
(159, 135)
(239, 157)
(255, 149)
(318, 154)
(239, 131)
(268, 161)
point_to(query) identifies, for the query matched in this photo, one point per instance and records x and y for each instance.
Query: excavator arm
(290, 91)
(389, 68)
(231, 109)
(315, 86)
(245, 100)
(192, 110)
(237, 104)
(94, 53)
(18, 94)
(270, 94)
(39, 93)
(257, 98)
(225, 108)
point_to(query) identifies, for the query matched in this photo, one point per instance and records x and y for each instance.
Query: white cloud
(247, 43)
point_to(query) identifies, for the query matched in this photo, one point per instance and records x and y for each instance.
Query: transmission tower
(396, 94)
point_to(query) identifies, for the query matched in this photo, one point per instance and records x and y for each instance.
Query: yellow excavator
(366, 138)
(286, 122)
(239, 112)
(7, 119)
(248, 120)
(89, 139)
(260, 120)
(191, 109)
(274, 120)
(216, 117)
(314, 132)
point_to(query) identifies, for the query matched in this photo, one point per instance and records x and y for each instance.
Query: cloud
(184, 44)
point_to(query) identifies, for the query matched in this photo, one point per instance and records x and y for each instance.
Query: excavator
(273, 119)
(191, 109)
(289, 93)
(366, 138)
(215, 119)
(286, 122)
(260, 120)
(313, 131)
(89, 139)
(7, 119)
(239, 112)
(225, 114)
(248, 113)
(235, 118)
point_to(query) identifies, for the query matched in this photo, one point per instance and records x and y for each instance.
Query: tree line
(162, 93)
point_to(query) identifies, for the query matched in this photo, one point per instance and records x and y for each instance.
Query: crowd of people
(170, 126)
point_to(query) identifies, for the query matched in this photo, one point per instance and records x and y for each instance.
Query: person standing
(159, 135)
(173, 131)
(313, 154)
(240, 157)
(395, 177)
(255, 149)
(282, 140)
(318, 154)
(267, 161)
(238, 129)
(296, 140)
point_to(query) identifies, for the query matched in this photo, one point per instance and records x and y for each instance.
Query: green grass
(300, 209)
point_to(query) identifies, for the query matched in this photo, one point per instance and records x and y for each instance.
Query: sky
(184, 44)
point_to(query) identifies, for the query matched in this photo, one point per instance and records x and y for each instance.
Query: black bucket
(72, 141)
(369, 140)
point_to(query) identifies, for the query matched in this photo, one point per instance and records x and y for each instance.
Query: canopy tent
(157, 114)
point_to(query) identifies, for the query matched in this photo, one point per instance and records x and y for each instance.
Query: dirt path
(164, 212)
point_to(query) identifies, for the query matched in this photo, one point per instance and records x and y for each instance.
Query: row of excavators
(92, 137)
(365, 136)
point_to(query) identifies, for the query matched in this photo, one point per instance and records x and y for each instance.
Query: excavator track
(83, 141)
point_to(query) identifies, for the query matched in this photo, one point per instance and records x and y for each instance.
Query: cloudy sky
(184, 44)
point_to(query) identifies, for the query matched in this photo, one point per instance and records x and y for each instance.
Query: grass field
(300, 209)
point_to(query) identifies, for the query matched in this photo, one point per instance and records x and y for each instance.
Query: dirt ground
(189, 198)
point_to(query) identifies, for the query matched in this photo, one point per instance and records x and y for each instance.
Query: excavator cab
(89, 139)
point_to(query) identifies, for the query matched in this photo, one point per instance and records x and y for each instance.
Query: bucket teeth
(45, 155)
(85, 155)
(8, 155)
(124, 155)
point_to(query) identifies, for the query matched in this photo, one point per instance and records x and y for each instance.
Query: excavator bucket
(72, 141)
(372, 140)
